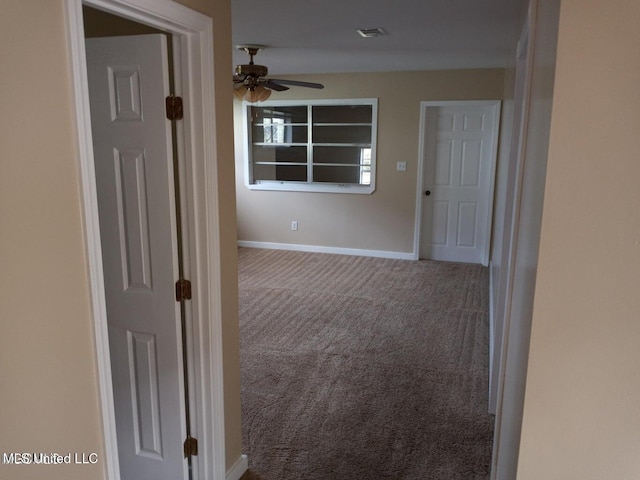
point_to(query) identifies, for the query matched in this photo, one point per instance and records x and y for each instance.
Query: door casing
(424, 106)
(194, 76)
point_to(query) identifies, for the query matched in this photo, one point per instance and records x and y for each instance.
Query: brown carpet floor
(363, 368)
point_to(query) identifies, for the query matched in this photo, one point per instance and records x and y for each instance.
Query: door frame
(194, 74)
(513, 348)
(422, 148)
(517, 144)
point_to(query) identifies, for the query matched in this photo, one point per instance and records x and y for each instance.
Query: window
(313, 145)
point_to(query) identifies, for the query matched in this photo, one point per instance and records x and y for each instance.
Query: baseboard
(335, 250)
(492, 340)
(238, 468)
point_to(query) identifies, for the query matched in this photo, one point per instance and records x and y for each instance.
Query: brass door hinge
(183, 290)
(190, 447)
(174, 108)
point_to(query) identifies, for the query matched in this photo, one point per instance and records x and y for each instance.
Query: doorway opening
(190, 34)
(456, 173)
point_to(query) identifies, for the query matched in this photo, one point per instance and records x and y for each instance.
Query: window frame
(310, 186)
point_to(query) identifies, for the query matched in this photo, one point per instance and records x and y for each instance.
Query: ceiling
(319, 36)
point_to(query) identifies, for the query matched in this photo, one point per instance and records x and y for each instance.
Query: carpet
(363, 368)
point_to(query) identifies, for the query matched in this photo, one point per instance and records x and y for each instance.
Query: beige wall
(48, 376)
(582, 403)
(49, 389)
(384, 220)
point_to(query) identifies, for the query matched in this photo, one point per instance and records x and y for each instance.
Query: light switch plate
(401, 166)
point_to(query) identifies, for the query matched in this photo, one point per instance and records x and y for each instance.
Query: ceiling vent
(371, 32)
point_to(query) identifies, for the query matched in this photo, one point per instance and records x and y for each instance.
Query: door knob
(427, 193)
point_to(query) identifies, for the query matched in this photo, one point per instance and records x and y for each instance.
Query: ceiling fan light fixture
(371, 32)
(251, 82)
(259, 93)
(239, 92)
(263, 93)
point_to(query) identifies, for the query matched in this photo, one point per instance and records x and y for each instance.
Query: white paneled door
(128, 84)
(459, 166)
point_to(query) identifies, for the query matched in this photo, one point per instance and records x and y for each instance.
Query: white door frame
(512, 362)
(193, 47)
(496, 104)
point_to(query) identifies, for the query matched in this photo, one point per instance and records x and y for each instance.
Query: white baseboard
(492, 340)
(238, 468)
(335, 250)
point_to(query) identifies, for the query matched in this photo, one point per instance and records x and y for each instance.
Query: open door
(128, 83)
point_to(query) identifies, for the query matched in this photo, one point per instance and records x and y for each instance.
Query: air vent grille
(371, 32)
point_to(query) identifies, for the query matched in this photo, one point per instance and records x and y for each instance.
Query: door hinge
(190, 447)
(183, 290)
(174, 108)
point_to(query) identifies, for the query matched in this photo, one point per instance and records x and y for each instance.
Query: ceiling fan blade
(274, 86)
(298, 83)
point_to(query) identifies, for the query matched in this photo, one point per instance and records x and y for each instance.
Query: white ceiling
(319, 36)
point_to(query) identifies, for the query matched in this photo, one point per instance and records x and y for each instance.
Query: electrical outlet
(294, 225)
(401, 166)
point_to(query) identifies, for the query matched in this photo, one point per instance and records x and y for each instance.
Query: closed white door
(459, 166)
(128, 84)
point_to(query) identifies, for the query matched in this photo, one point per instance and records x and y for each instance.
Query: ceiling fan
(250, 81)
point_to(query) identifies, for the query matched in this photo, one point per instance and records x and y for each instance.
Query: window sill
(311, 187)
